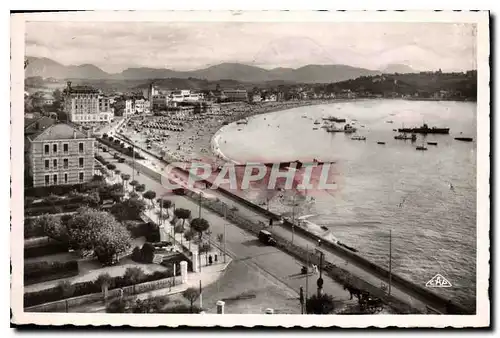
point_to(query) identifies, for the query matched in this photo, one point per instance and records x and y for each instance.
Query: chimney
(74, 134)
(37, 126)
(88, 133)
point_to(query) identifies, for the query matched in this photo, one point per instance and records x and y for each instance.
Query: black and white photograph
(301, 168)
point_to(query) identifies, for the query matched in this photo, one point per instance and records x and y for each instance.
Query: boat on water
(334, 119)
(317, 122)
(432, 143)
(304, 116)
(315, 128)
(390, 121)
(244, 121)
(465, 139)
(348, 129)
(394, 130)
(403, 136)
(421, 148)
(358, 138)
(380, 142)
(424, 129)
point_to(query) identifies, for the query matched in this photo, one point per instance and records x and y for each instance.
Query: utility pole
(201, 297)
(307, 278)
(320, 279)
(390, 261)
(199, 206)
(133, 162)
(293, 218)
(224, 242)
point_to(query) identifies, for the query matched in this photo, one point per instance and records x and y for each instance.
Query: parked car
(266, 237)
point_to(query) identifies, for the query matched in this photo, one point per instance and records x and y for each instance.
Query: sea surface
(427, 199)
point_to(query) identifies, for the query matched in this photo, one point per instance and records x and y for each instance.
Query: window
(54, 148)
(65, 163)
(47, 180)
(55, 163)
(80, 147)
(65, 148)
(65, 177)
(46, 149)
(80, 177)
(80, 162)
(47, 164)
(55, 179)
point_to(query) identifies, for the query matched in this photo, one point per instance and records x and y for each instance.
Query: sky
(115, 46)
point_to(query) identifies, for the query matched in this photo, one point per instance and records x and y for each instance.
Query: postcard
(274, 168)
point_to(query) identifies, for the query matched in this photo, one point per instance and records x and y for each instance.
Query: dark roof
(34, 126)
(60, 131)
(81, 90)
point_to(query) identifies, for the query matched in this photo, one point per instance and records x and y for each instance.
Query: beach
(198, 139)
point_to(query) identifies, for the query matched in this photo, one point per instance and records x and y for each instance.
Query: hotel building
(60, 155)
(85, 104)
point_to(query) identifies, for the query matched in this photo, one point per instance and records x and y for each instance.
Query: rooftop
(81, 90)
(35, 125)
(59, 131)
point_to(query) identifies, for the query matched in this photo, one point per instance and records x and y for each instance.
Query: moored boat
(358, 138)
(403, 136)
(421, 148)
(380, 142)
(334, 119)
(465, 139)
(432, 143)
(424, 129)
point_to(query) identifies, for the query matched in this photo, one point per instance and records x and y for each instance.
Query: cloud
(114, 46)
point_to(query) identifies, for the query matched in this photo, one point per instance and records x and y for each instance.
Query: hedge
(85, 288)
(31, 230)
(57, 209)
(45, 271)
(40, 192)
(44, 250)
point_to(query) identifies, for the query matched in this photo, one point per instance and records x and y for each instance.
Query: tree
(140, 188)
(165, 204)
(148, 252)
(205, 248)
(322, 305)
(130, 209)
(133, 275)
(220, 239)
(52, 227)
(188, 236)
(111, 166)
(105, 280)
(133, 183)
(183, 214)
(66, 289)
(191, 294)
(150, 195)
(200, 225)
(125, 178)
(99, 231)
(117, 171)
(92, 199)
(179, 229)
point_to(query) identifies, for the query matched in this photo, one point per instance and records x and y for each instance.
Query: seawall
(434, 300)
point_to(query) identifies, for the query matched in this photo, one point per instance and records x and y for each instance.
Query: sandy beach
(197, 139)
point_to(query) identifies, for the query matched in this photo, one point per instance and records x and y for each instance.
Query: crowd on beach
(182, 138)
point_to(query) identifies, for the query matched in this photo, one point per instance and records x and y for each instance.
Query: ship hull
(425, 131)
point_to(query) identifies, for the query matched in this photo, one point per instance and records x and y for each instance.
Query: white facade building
(84, 104)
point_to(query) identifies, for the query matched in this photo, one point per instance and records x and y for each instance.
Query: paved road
(400, 291)
(243, 246)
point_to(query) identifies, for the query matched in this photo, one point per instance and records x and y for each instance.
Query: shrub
(136, 255)
(182, 308)
(117, 306)
(46, 249)
(44, 271)
(32, 228)
(148, 252)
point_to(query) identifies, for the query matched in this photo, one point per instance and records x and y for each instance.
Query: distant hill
(398, 68)
(45, 67)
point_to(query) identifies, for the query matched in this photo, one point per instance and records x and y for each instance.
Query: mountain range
(46, 67)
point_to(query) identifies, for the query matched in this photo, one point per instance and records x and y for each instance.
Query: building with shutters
(59, 155)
